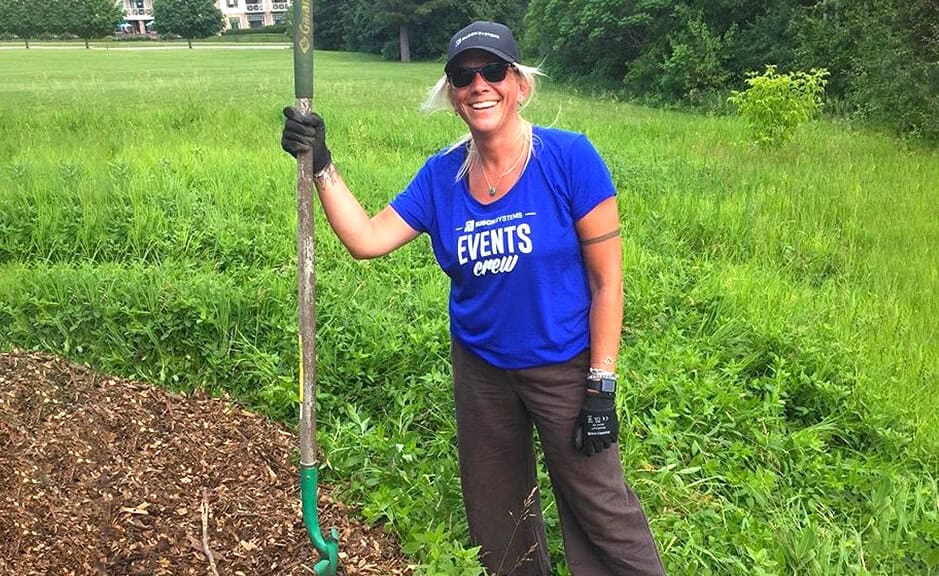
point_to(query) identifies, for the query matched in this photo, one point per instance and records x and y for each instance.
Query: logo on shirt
(493, 246)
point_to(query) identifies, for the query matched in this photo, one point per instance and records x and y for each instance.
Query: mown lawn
(780, 349)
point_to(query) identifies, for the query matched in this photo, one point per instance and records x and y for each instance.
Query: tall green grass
(780, 346)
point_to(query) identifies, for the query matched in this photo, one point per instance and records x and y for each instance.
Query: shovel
(328, 547)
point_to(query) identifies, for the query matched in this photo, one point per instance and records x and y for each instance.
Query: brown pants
(604, 528)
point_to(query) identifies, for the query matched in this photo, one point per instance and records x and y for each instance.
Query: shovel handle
(306, 297)
(327, 547)
(303, 90)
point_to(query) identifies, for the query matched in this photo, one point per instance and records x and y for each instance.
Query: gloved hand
(597, 426)
(305, 132)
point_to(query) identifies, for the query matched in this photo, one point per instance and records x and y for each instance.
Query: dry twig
(527, 512)
(205, 532)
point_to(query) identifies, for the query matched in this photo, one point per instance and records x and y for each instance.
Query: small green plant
(775, 105)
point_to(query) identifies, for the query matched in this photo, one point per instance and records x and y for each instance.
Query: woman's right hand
(305, 132)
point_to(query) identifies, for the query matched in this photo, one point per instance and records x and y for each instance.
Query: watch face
(607, 385)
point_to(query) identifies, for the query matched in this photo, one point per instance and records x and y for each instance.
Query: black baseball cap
(492, 37)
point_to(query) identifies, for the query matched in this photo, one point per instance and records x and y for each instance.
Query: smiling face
(488, 108)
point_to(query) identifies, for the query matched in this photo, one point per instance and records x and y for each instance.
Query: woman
(523, 220)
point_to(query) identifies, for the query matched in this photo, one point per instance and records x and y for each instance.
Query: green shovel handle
(303, 48)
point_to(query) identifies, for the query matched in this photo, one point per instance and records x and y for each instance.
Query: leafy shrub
(576, 37)
(139, 37)
(694, 68)
(775, 105)
(898, 90)
(273, 29)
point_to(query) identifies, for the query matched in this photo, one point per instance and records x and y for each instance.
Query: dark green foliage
(27, 19)
(897, 67)
(89, 19)
(187, 18)
(374, 26)
(275, 29)
(327, 27)
(584, 38)
(695, 65)
(883, 55)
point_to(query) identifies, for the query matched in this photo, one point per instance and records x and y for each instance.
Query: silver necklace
(492, 188)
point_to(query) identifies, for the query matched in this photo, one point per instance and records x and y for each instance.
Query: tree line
(882, 55)
(85, 19)
(402, 29)
(93, 19)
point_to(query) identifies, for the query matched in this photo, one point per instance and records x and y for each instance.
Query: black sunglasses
(492, 72)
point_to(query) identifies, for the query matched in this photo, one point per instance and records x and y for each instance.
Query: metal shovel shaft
(306, 298)
(328, 548)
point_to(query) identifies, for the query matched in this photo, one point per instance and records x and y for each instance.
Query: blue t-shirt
(519, 295)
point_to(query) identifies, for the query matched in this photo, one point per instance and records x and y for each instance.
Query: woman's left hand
(597, 425)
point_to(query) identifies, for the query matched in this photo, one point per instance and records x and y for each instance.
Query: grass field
(781, 343)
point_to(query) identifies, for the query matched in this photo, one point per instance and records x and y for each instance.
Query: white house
(238, 14)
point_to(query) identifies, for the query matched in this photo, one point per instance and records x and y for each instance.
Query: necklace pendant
(492, 190)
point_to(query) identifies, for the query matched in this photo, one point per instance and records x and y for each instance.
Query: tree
(327, 31)
(30, 18)
(17, 18)
(187, 18)
(586, 37)
(403, 15)
(92, 18)
(53, 15)
(423, 27)
(402, 29)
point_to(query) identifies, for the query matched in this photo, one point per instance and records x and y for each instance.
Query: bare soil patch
(101, 475)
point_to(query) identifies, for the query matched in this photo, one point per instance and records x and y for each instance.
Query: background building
(241, 14)
(138, 17)
(238, 14)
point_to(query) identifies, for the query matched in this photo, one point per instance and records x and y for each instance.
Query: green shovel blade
(328, 547)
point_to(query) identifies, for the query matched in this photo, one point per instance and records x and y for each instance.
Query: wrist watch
(601, 382)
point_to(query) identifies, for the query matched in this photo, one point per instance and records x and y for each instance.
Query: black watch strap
(604, 385)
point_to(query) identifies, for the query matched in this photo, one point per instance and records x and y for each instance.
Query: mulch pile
(100, 475)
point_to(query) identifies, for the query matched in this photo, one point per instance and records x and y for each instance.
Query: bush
(694, 68)
(775, 105)
(896, 89)
(136, 37)
(275, 29)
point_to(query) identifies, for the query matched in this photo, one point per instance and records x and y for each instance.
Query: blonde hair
(438, 99)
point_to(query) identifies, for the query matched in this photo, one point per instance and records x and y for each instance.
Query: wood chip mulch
(100, 475)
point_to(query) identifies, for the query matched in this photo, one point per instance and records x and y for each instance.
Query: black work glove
(597, 426)
(305, 132)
